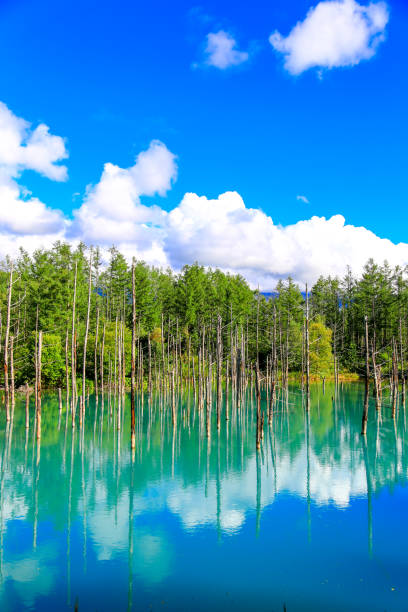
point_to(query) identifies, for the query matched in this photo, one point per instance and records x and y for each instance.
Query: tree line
(82, 312)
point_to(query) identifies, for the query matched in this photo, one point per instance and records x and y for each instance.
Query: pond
(316, 520)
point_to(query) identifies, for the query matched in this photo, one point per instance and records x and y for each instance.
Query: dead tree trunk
(274, 369)
(219, 366)
(307, 342)
(39, 368)
(73, 339)
(259, 415)
(133, 363)
(200, 379)
(209, 397)
(367, 376)
(102, 362)
(402, 363)
(27, 406)
(6, 345)
(96, 355)
(149, 382)
(67, 365)
(367, 355)
(86, 335)
(232, 356)
(377, 378)
(12, 394)
(394, 378)
(238, 376)
(173, 397)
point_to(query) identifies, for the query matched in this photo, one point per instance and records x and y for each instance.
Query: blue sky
(111, 77)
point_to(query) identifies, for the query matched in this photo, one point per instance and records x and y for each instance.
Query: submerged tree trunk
(149, 352)
(365, 414)
(365, 409)
(102, 362)
(12, 390)
(219, 366)
(259, 415)
(402, 363)
(209, 397)
(133, 364)
(73, 341)
(307, 353)
(67, 364)
(86, 336)
(394, 378)
(27, 406)
(6, 345)
(96, 356)
(173, 397)
(39, 368)
(377, 378)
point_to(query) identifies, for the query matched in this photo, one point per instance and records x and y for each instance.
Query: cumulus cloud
(20, 216)
(112, 211)
(225, 233)
(221, 232)
(23, 148)
(334, 33)
(221, 51)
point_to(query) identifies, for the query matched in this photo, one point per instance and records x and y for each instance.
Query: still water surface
(318, 520)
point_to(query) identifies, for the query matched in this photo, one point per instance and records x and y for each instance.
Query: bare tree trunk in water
(209, 396)
(259, 414)
(394, 378)
(27, 406)
(133, 363)
(86, 336)
(219, 366)
(377, 378)
(149, 384)
(12, 396)
(402, 363)
(67, 365)
(102, 362)
(307, 353)
(39, 364)
(173, 397)
(73, 364)
(6, 345)
(96, 355)
(367, 382)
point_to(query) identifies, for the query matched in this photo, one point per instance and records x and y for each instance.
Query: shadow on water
(196, 518)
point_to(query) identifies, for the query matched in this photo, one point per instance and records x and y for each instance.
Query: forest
(81, 309)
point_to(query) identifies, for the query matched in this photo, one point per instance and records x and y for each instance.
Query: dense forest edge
(83, 312)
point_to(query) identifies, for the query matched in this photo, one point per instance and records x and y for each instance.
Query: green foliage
(52, 360)
(182, 309)
(53, 363)
(321, 356)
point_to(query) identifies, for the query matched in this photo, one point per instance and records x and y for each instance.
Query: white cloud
(334, 33)
(219, 232)
(20, 216)
(302, 198)
(24, 149)
(225, 233)
(24, 219)
(112, 211)
(221, 51)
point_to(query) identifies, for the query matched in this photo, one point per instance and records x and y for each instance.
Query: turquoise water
(317, 520)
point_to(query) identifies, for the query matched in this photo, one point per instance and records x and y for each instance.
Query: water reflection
(77, 507)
